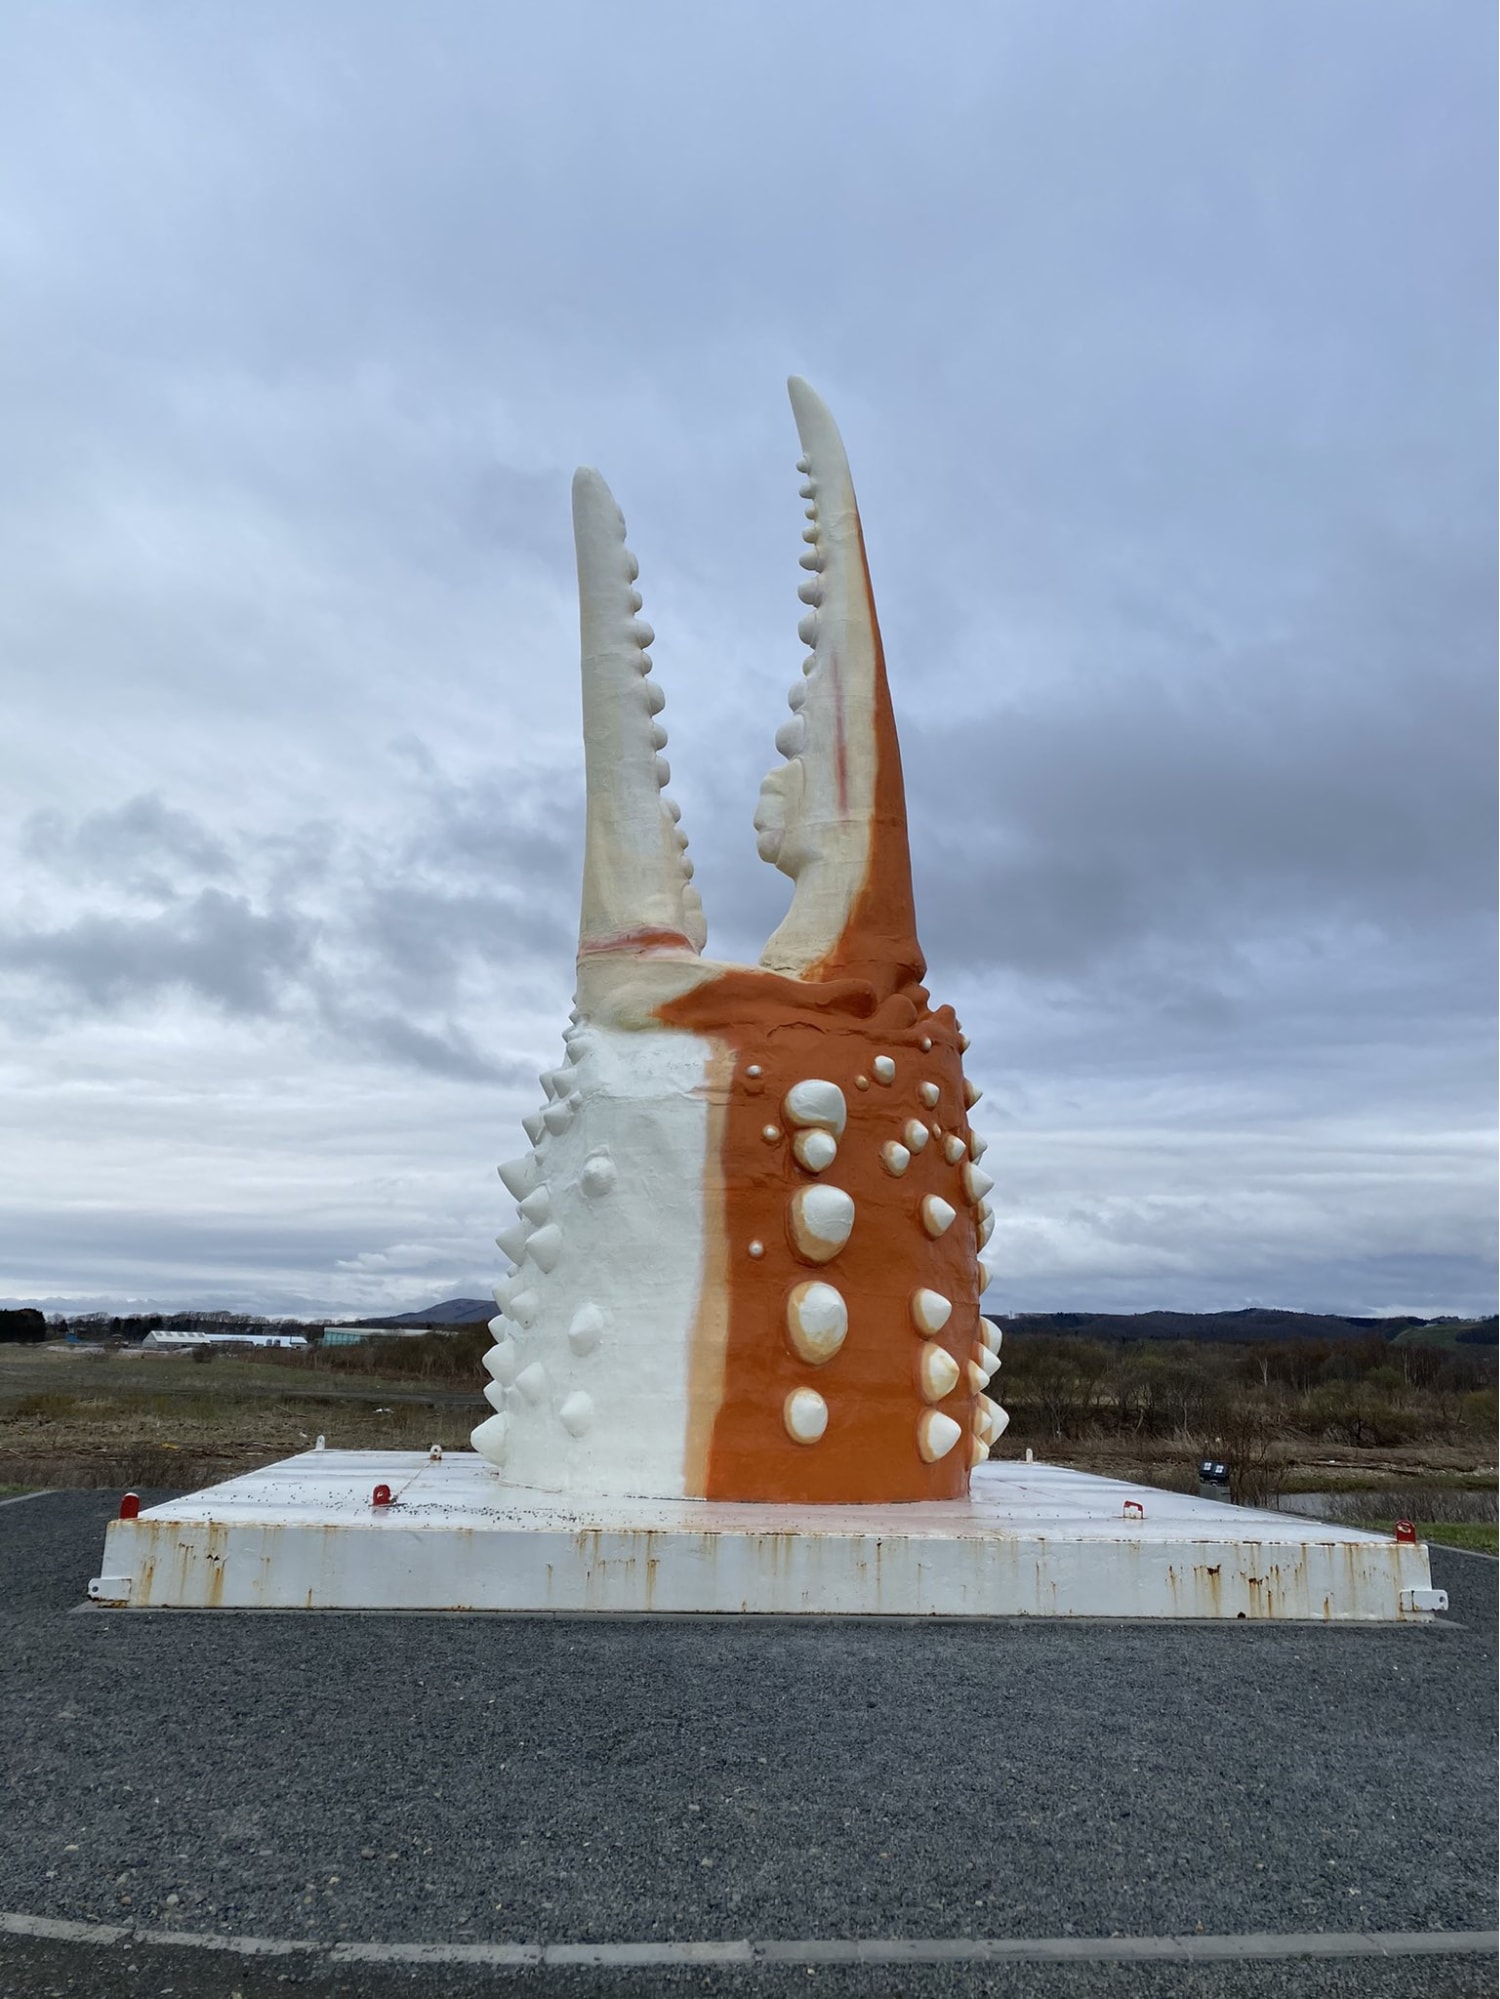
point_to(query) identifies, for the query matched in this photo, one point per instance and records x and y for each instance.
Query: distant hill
(452, 1312)
(1254, 1322)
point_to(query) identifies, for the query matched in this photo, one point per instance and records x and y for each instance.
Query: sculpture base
(1033, 1540)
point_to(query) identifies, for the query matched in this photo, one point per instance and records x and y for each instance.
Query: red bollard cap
(1406, 1530)
(130, 1506)
(381, 1496)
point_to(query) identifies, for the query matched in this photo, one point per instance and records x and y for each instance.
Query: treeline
(1252, 1406)
(456, 1357)
(131, 1328)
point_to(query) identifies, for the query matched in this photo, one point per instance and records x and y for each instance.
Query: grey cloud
(377, 939)
(214, 945)
(1164, 354)
(392, 1037)
(136, 845)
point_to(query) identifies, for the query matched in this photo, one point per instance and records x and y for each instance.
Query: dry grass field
(1416, 1438)
(136, 1419)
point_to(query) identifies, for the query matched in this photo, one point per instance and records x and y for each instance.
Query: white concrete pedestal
(1033, 1540)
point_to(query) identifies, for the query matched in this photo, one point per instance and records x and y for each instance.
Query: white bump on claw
(979, 1452)
(587, 1329)
(821, 1219)
(884, 1069)
(805, 1415)
(985, 1361)
(494, 1394)
(971, 1094)
(599, 1175)
(511, 1242)
(503, 1362)
(537, 1207)
(984, 1278)
(930, 1310)
(791, 737)
(926, 1044)
(929, 1093)
(986, 1225)
(663, 772)
(937, 1216)
(757, 1248)
(576, 1413)
(937, 1371)
(990, 1420)
(492, 1439)
(975, 1375)
(521, 1176)
(523, 1308)
(557, 1117)
(953, 1148)
(978, 1146)
(916, 1134)
(533, 1127)
(817, 1320)
(989, 1335)
(816, 1150)
(814, 1102)
(936, 1435)
(545, 1247)
(977, 1183)
(532, 1381)
(894, 1158)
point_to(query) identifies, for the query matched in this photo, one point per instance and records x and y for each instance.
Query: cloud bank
(1164, 357)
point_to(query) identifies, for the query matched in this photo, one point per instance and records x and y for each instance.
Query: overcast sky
(1162, 340)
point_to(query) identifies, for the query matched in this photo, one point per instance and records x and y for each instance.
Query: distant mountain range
(452, 1312)
(1254, 1322)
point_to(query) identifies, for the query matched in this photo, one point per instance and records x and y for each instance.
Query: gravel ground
(534, 1779)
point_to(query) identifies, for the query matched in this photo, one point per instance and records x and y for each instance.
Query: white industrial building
(162, 1339)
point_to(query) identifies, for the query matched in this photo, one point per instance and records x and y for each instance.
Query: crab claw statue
(746, 1254)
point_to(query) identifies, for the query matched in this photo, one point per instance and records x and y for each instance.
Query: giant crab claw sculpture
(746, 1251)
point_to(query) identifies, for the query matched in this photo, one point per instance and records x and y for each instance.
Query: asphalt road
(469, 1779)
